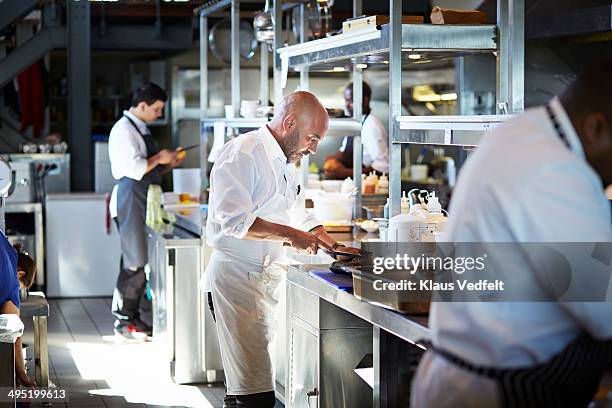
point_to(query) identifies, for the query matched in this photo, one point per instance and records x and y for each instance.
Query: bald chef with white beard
(254, 189)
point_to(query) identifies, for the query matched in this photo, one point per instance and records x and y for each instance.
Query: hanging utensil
(263, 23)
(219, 40)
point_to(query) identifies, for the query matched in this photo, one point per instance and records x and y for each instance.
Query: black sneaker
(129, 332)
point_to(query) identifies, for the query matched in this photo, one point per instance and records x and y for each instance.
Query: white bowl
(332, 206)
(332, 186)
(314, 184)
(369, 226)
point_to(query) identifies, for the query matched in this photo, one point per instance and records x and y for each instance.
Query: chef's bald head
(300, 103)
(299, 123)
(587, 102)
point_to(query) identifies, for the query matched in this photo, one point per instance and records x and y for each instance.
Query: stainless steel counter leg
(395, 363)
(39, 236)
(378, 393)
(41, 352)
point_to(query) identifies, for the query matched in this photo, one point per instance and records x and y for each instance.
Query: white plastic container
(333, 206)
(314, 184)
(411, 227)
(186, 181)
(332, 186)
(418, 171)
(383, 185)
(436, 221)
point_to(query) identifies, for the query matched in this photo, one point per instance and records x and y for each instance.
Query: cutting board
(341, 282)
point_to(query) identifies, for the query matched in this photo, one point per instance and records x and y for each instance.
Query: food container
(333, 206)
(418, 171)
(369, 226)
(186, 181)
(407, 228)
(314, 184)
(24, 293)
(408, 302)
(332, 185)
(383, 228)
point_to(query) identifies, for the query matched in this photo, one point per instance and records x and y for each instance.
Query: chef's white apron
(245, 285)
(245, 296)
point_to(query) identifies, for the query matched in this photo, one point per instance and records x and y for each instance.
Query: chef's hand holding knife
(307, 242)
(333, 247)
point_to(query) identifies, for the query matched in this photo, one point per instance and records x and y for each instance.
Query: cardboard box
(360, 23)
(453, 16)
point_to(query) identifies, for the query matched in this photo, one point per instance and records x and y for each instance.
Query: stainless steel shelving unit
(466, 130)
(205, 11)
(433, 41)
(336, 126)
(392, 45)
(282, 63)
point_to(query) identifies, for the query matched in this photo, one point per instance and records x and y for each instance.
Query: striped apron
(569, 379)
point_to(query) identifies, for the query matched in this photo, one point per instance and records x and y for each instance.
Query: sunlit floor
(97, 371)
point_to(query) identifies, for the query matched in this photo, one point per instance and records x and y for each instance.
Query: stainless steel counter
(191, 219)
(330, 334)
(406, 327)
(182, 324)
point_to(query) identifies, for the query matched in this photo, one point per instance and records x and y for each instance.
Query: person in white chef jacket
(252, 213)
(374, 139)
(540, 177)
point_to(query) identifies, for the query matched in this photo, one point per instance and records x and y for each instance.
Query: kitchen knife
(184, 149)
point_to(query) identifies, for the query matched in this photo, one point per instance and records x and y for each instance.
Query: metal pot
(219, 40)
(263, 23)
(24, 294)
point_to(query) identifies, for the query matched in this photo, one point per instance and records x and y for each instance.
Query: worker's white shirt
(375, 144)
(251, 178)
(524, 185)
(127, 152)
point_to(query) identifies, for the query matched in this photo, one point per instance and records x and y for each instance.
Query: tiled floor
(97, 371)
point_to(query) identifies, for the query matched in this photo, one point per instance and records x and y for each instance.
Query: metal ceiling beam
(120, 37)
(31, 51)
(13, 10)
(575, 22)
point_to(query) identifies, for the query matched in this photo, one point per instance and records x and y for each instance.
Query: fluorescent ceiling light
(339, 69)
(362, 66)
(414, 56)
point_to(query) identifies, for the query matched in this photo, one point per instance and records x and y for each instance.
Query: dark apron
(131, 208)
(346, 158)
(569, 379)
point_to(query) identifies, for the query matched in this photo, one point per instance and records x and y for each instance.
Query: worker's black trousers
(128, 294)
(260, 400)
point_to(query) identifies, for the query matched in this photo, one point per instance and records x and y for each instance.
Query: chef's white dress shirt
(127, 152)
(375, 143)
(524, 185)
